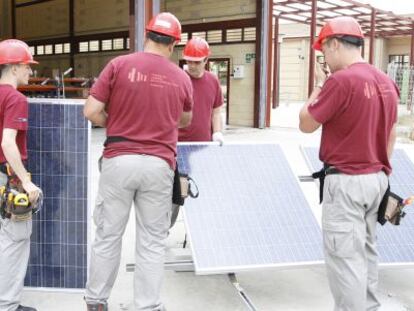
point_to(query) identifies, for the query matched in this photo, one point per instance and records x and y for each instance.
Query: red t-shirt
(207, 96)
(14, 113)
(145, 95)
(358, 108)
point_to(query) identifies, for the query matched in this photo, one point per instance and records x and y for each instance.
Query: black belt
(326, 170)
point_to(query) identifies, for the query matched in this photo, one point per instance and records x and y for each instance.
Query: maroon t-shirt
(358, 108)
(145, 95)
(207, 96)
(14, 112)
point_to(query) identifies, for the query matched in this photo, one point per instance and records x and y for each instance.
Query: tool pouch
(390, 208)
(183, 187)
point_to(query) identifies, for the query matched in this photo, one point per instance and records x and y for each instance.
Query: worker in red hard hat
(142, 99)
(357, 108)
(15, 61)
(208, 100)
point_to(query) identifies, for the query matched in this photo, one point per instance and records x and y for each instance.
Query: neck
(158, 49)
(9, 81)
(352, 58)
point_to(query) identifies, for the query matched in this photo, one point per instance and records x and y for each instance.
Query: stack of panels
(251, 212)
(395, 243)
(58, 139)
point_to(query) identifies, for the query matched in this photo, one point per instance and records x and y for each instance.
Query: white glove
(218, 137)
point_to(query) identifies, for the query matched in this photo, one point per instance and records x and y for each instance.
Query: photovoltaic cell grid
(251, 212)
(395, 243)
(58, 138)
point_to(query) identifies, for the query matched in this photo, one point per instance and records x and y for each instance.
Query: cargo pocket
(17, 231)
(338, 239)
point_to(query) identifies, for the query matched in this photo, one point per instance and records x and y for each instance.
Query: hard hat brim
(194, 59)
(317, 46)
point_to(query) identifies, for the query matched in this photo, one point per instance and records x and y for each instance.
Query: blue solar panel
(395, 243)
(58, 139)
(251, 212)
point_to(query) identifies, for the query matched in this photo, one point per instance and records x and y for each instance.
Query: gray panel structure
(58, 144)
(251, 212)
(395, 243)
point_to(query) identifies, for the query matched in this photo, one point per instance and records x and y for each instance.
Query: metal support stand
(184, 263)
(243, 295)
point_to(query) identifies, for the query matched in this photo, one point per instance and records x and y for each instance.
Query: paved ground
(295, 289)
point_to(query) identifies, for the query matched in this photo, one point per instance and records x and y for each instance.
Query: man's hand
(321, 73)
(32, 190)
(218, 137)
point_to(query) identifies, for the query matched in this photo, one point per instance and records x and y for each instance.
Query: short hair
(160, 38)
(3, 68)
(349, 41)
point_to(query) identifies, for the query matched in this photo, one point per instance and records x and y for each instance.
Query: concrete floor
(293, 289)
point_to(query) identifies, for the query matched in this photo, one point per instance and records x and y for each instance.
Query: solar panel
(395, 243)
(251, 212)
(58, 139)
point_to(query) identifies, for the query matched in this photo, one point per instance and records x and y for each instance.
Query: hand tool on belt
(14, 201)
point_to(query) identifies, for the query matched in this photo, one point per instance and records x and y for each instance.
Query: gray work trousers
(349, 220)
(14, 257)
(147, 182)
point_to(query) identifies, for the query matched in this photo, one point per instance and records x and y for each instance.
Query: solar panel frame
(213, 154)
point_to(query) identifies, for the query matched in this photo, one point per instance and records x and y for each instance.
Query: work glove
(218, 137)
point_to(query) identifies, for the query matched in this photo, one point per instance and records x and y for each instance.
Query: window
(93, 45)
(106, 45)
(32, 50)
(128, 43)
(184, 38)
(66, 48)
(200, 34)
(59, 48)
(40, 50)
(399, 59)
(118, 44)
(234, 35)
(214, 36)
(48, 49)
(249, 34)
(83, 46)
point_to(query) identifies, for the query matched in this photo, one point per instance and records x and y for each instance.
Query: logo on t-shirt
(136, 76)
(369, 90)
(23, 120)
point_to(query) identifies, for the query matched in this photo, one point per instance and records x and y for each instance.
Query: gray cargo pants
(147, 182)
(349, 220)
(14, 257)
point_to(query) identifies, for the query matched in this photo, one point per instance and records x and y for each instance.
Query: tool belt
(14, 201)
(391, 208)
(326, 170)
(182, 186)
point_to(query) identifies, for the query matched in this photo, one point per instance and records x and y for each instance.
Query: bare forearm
(99, 118)
(13, 157)
(216, 122)
(306, 122)
(391, 142)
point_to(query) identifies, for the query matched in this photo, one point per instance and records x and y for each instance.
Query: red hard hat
(196, 49)
(13, 51)
(166, 24)
(341, 26)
